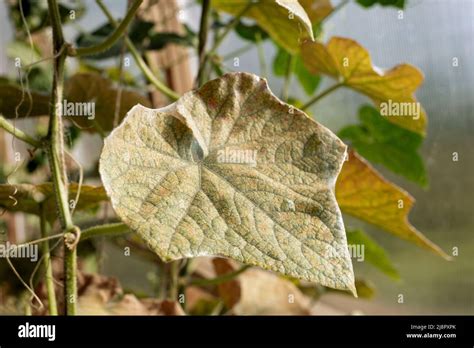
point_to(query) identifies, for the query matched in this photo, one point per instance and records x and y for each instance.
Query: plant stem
(56, 157)
(139, 60)
(335, 10)
(219, 280)
(17, 133)
(114, 229)
(53, 308)
(321, 95)
(261, 56)
(203, 33)
(287, 81)
(173, 277)
(237, 52)
(232, 24)
(113, 38)
(218, 40)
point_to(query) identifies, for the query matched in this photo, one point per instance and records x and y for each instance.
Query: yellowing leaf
(364, 193)
(317, 10)
(230, 170)
(27, 197)
(285, 20)
(350, 63)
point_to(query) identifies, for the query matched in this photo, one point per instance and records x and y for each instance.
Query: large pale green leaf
(286, 21)
(383, 142)
(350, 63)
(364, 193)
(230, 170)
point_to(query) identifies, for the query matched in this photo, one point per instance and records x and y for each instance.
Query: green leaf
(385, 143)
(308, 81)
(286, 21)
(139, 31)
(280, 62)
(37, 16)
(39, 76)
(350, 63)
(362, 192)
(251, 33)
(230, 170)
(395, 3)
(373, 252)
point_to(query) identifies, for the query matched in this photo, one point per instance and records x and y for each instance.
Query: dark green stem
(108, 230)
(139, 60)
(113, 38)
(203, 34)
(321, 95)
(287, 81)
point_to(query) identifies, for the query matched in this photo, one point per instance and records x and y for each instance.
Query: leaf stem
(17, 133)
(113, 229)
(218, 40)
(321, 95)
(237, 52)
(219, 280)
(287, 82)
(203, 33)
(261, 56)
(52, 305)
(113, 38)
(232, 24)
(139, 60)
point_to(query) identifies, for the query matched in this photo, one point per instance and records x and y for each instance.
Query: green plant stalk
(139, 60)
(218, 40)
(261, 56)
(52, 306)
(228, 29)
(17, 133)
(113, 38)
(321, 95)
(114, 229)
(203, 33)
(287, 81)
(218, 280)
(237, 52)
(56, 158)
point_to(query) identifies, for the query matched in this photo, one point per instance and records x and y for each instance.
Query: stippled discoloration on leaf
(277, 210)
